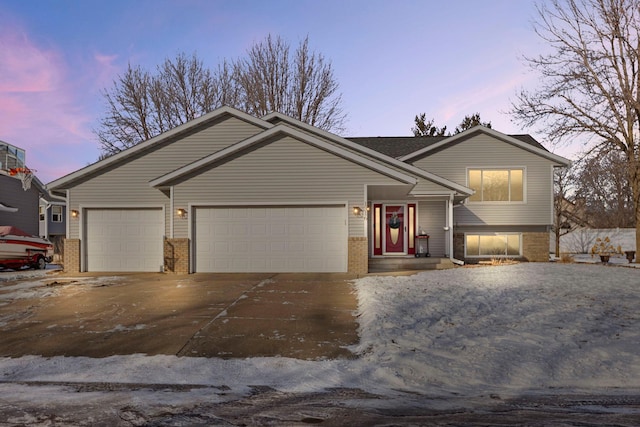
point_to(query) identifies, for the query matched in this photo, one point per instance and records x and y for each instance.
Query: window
(41, 212)
(56, 213)
(497, 185)
(493, 244)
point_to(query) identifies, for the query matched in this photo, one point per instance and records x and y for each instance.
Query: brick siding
(176, 255)
(71, 256)
(358, 262)
(535, 247)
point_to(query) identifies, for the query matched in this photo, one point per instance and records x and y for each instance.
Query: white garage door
(124, 239)
(271, 239)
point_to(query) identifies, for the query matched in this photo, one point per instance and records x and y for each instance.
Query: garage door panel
(271, 239)
(124, 239)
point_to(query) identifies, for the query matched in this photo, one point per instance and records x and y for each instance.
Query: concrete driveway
(305, 316)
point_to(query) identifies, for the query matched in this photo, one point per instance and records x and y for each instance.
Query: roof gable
(525, 142)
(136, 150)
(269, 134)
(362, 148)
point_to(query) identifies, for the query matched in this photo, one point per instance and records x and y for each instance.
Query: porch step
(379, 265)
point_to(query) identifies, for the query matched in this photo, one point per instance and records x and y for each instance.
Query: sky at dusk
(392, 59)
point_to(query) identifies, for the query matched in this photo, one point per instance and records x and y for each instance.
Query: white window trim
(53, 215)
(500, 168)
(497, 233)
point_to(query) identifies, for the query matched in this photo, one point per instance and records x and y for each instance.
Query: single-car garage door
(271, 239)
(124, 239)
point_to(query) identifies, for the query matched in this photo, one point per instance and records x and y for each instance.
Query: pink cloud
(24, 67)
(40, 109)
(105, 69)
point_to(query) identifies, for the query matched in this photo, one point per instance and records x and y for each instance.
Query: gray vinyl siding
(484, 151)
(57, 228)
(50, 228)
(423, 185)
(12, 194)
(128, 184)
(432, 217)
(284, 171)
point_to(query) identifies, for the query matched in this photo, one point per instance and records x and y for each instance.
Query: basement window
(493, 245)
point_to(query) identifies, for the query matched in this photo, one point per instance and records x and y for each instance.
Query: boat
(19, 249)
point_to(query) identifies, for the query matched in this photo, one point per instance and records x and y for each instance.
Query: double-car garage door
(270, 239)
(225, 239)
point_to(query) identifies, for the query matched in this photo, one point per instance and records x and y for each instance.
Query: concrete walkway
(305, 316)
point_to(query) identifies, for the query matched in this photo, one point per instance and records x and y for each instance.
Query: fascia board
(59, 183)
(439, 195)
(398, 163)
(432, 193)
(294, 133)
(499, 135)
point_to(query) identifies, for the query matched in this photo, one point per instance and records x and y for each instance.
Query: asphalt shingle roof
(398, 146)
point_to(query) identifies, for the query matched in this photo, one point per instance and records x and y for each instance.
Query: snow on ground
(512, 329)
(35, 288)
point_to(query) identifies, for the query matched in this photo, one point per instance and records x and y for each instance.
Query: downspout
(46, 219)
(449, 227)
(172, 209)
(47, 206)
(67, 215)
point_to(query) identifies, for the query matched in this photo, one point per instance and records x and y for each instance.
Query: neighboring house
(52, 220)
(18, 207)
(229, 192)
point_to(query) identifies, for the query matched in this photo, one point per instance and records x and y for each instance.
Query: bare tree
(567, 215)
(186, 90)
(302, 85)
(590, 79)
(141, 104)
(129, 113)
(602, 183)
(263, 77)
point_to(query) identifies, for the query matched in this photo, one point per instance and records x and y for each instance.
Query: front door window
(395, 229)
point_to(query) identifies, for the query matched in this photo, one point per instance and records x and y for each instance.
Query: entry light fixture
(181, 212)
(74, 214)
(358, 211)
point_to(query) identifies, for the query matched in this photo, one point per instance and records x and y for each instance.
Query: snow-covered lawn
(509, 328)
(513, 329)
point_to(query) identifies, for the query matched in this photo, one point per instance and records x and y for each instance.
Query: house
(52, 216)
(229, 192)
(18, 205)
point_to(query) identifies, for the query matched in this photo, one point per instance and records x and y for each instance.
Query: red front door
(395, 226)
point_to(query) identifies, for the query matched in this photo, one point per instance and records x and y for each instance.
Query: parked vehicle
(19, 249)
